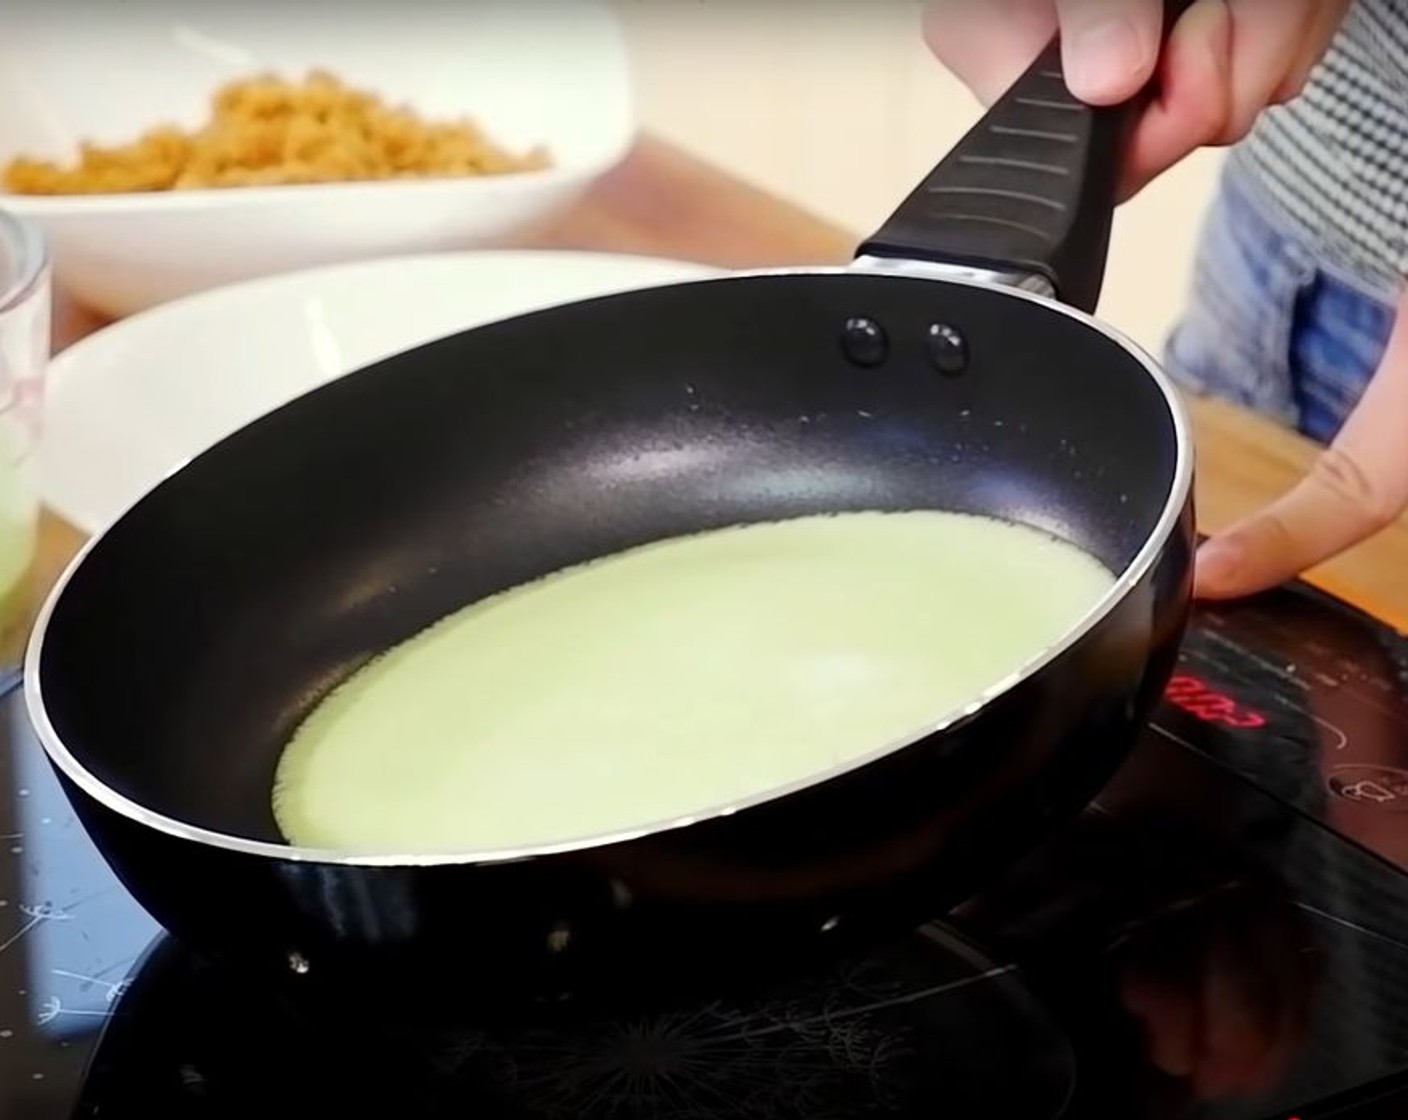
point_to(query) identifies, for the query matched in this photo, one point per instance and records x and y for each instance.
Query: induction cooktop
(1223, 935)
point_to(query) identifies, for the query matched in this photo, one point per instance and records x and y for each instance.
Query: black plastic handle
(1030, 190)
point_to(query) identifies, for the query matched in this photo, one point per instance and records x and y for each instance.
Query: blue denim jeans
(1269, 327)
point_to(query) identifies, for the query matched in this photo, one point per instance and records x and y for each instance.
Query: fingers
(1236, 1050)
(1276, 45)
(1324, 22)
(1194, 98)
(1251, 556)
(1109, 48)
(1334, 508)
(1225, 62)
(987, 44)
(1357, 486)
(1169, 1015)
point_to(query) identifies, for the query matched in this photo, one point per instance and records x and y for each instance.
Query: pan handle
(1027, 197)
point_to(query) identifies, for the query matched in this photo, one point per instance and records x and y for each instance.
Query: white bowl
(529, 71)
(133, 402)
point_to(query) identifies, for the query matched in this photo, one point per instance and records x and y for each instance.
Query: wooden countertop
(662, 202)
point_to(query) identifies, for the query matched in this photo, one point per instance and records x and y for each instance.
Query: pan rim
(1175, 503)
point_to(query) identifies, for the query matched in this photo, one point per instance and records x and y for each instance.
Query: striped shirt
(1334, 160)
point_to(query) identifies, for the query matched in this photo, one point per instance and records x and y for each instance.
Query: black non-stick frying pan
(954, 367)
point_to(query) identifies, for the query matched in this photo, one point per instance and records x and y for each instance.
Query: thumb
(1244, 559)
(1334, 507)
(1357, 486)
(1109, 48)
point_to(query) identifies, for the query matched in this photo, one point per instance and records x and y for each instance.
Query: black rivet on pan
(864, 341)
(948, 352)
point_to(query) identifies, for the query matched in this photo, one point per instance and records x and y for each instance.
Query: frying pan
(954, 366)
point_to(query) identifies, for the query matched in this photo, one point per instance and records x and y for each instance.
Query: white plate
(134, 401)
(529, 71)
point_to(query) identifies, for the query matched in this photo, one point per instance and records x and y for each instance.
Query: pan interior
(201, 628)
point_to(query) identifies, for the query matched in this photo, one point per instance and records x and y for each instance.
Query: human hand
(1224, 62)
(1357, 486)
(1223, 995)
(1206, 950)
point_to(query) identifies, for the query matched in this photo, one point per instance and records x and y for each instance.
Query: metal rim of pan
(1134, 572)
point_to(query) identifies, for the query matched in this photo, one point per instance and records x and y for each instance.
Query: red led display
(1199, 699)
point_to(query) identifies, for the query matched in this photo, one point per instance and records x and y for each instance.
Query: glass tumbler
(24, 356)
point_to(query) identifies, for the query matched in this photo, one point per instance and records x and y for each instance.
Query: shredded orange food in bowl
(267, 131)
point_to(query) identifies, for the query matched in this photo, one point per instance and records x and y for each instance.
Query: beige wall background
(838, 105)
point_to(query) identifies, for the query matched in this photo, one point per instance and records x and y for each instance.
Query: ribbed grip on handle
(1030, 190)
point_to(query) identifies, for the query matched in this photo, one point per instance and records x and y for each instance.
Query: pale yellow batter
(675, 678)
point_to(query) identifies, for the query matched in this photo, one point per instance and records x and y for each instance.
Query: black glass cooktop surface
(1222, 936)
